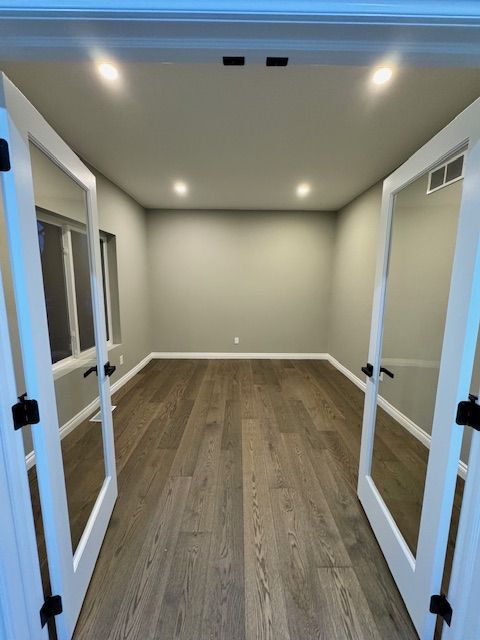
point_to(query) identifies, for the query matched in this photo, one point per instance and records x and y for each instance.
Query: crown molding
(422, 32)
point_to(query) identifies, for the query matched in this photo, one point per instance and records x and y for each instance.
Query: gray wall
(262, 276)
(356, 237)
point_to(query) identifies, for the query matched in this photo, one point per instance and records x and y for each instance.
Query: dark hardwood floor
(237, 516)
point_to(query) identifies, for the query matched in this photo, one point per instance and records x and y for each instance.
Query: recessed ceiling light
(382, 75)
(108, 71)
(180, 188)
(303, 189)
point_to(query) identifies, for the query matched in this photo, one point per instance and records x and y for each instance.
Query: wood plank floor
(237, 516)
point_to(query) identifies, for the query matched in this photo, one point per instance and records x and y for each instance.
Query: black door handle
(109, 369)
(387, 371)
(89, 371)
(368, 370)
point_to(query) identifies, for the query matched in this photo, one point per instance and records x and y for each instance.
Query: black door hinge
(468, 413)
(440, 606)
(51, 607)
(25, 412)
(4, 156)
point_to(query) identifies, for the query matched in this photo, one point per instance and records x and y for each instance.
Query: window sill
(84, 361)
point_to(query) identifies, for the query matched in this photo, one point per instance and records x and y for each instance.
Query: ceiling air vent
(449, 172)
(274, 61)
(233, 61)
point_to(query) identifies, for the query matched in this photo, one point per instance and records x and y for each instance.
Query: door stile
(375, 345)
(101, 342)
(20, 583)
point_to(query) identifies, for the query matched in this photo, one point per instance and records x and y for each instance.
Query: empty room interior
(239, 318)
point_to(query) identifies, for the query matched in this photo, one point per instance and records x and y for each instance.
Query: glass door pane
(422, 243)
(61, 210)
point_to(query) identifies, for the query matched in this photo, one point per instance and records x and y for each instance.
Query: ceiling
(244, 137)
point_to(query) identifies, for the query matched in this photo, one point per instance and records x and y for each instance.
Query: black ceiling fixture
(233, 61)
(276, 61)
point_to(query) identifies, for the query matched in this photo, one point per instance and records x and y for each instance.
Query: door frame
(419, 578)
(70, 573)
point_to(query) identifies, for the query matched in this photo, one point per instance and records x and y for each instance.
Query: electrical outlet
(236, 340)
(121, 359)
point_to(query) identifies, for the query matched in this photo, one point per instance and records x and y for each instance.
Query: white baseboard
(132, 372)
(219, 355)
(413, 428)
(82, 415)
(347, 373)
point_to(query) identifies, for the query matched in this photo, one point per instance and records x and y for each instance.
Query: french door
(422, 346)
(49, 199)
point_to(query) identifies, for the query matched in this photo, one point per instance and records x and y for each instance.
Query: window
(106, 286)
(81, 272)
(66, 279)
(51, 251)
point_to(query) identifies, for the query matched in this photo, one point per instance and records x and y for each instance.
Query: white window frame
(108, 297)
(67, 226)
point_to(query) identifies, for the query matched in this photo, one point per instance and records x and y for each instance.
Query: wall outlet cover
(121, 359)
(236, 340)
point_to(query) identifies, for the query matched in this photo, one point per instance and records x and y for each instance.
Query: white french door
(422, 346)
(46, 175)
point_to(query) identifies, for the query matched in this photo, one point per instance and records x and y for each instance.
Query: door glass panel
(420, 264)
(64, 247)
